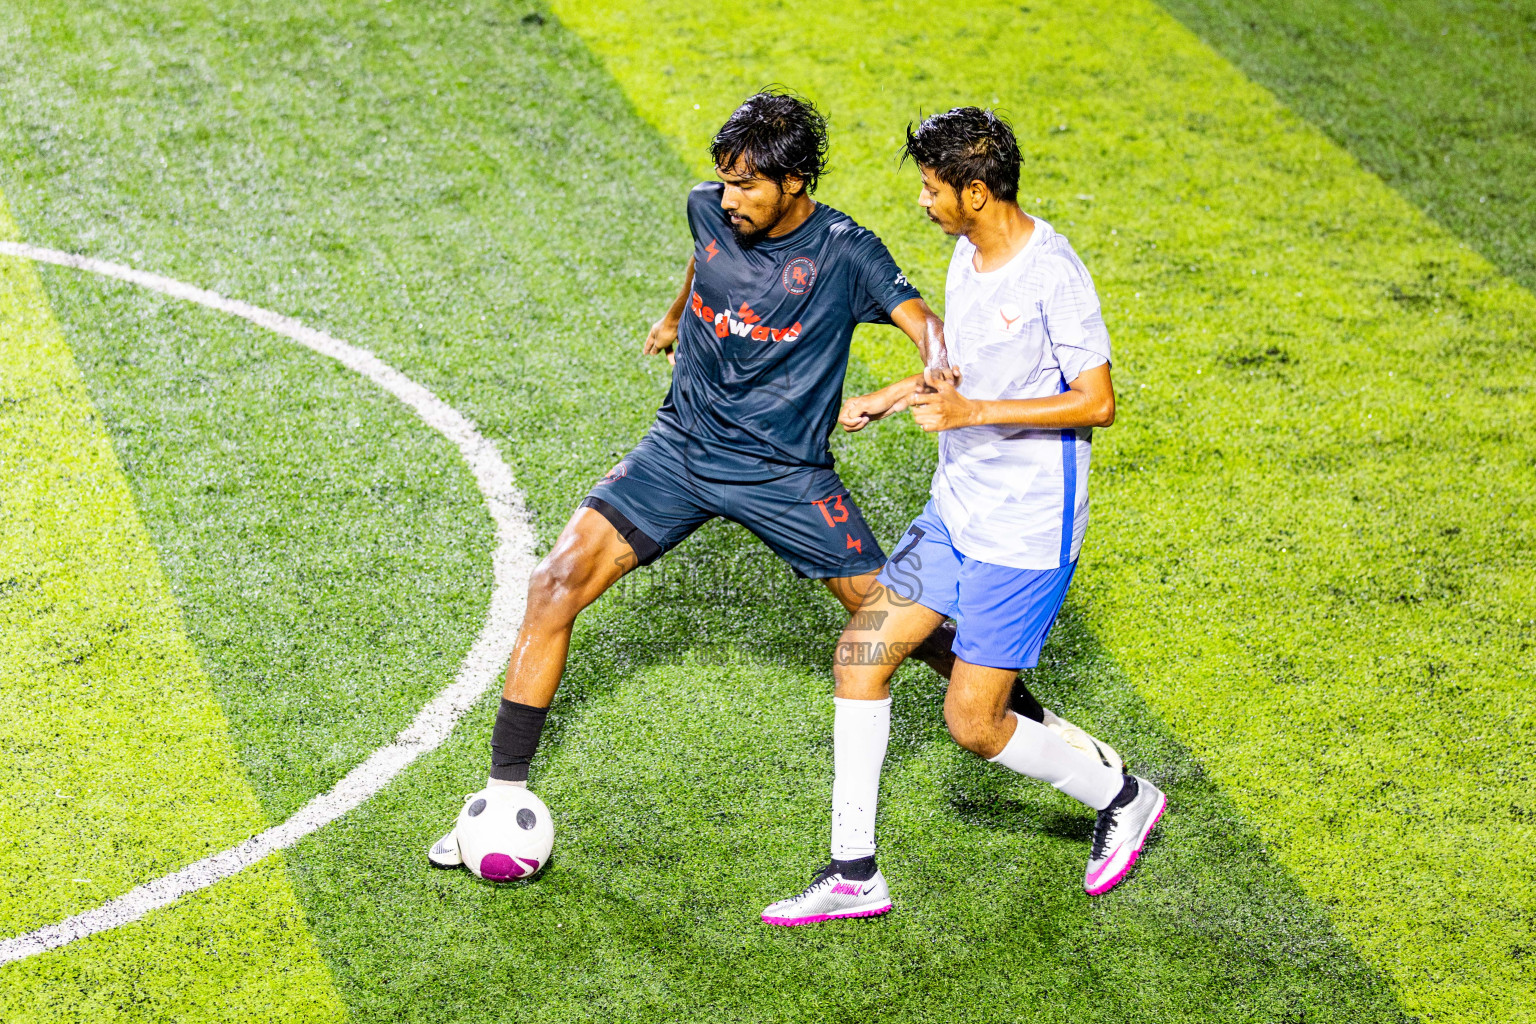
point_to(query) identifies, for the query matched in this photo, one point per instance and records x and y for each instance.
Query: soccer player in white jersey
(1027, 380)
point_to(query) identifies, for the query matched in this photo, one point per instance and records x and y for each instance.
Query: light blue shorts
(1002, 615)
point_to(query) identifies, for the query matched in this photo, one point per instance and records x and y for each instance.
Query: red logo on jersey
(1010, 316)
(743, 323)
(799, 274)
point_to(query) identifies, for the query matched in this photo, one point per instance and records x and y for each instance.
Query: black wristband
(514, 740)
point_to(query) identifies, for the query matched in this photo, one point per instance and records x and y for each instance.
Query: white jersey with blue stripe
(1011, 495)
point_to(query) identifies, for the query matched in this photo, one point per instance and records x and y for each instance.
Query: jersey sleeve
(1074, 321)
(703, 211)
(879, 286)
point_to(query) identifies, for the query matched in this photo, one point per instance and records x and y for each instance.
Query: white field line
(512, 563)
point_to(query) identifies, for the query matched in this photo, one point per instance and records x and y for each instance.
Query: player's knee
(859, 681)
(843, 675)
(976, 732)
(556, 585)
(961, 724)
(850, 656)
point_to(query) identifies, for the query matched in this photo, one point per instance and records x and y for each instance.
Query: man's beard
(960, 227)
(747, 239)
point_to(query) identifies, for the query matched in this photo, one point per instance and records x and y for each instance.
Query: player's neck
(799, 212)
(1000, 232)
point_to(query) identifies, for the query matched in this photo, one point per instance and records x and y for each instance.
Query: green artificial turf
(1438, 98)
(1314, 530)
(469, 191)
(693, 791)
(1313, 536)
(116, 757)
(336, 591)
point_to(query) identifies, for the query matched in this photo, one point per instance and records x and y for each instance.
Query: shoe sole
(1104, 887)
(790, 922)
(443, 865)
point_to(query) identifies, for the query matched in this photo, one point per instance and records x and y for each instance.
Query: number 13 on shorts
(836, 514)
(832, 510)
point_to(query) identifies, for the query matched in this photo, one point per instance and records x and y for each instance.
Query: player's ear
(792, 185)
(977, 194)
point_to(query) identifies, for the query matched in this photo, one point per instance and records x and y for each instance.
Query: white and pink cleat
(832, 897)
(1120, 833)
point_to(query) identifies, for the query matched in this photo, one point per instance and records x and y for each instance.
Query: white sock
(1035, 751)
(506, 782)
(861, 729)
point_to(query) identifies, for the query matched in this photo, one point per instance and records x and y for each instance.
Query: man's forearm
(899, 392)
(675, 311)
(1066, 411)
(923, 326)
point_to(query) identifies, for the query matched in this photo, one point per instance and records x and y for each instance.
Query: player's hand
(934, 374)
(662, 338)
(940, 406)
(857, 413)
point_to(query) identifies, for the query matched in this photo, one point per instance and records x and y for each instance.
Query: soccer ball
(505, 832)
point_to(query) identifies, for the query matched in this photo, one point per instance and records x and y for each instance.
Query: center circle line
(512, 563)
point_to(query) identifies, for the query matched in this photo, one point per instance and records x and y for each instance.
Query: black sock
(1128, 791)
(937, 650)
(1023, 703)
(861, 870)
(514, 740)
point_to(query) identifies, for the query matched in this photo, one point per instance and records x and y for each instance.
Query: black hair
(967, 144)
(778, 135)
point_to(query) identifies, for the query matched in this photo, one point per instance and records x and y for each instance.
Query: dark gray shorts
(806, 515)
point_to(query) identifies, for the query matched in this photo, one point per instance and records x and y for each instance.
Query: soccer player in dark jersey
(761, 331)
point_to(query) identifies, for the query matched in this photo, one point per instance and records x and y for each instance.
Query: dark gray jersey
(763, 345)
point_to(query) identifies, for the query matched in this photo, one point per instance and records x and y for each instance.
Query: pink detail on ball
(533, 865)
(498, 867)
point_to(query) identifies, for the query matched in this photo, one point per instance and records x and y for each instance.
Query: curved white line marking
(512, 562)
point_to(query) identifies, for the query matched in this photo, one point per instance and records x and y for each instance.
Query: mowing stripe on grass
(1305, 363)
(117, 761)
(1439, 99)
(481, 668)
